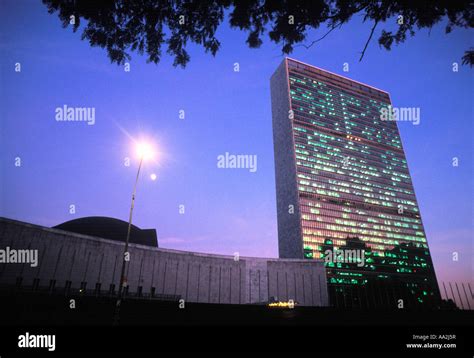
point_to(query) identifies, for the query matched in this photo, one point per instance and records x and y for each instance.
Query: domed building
(110, 228)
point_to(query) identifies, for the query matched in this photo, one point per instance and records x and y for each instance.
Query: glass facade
(354, 188)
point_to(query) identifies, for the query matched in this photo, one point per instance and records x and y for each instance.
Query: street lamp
(144, 152)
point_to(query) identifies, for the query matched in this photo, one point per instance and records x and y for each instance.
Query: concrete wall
(65, 256)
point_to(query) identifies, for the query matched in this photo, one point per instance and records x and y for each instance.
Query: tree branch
(341, 22)
(321, 38)
(367, 43)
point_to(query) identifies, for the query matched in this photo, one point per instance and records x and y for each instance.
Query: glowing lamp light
(145, 150)
(280, 304)
(153, 176)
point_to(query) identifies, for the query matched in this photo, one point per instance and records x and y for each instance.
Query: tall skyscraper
(344, 191)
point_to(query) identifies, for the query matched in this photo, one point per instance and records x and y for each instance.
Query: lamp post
(144, 151)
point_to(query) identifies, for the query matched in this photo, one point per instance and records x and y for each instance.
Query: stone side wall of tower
(290, 243)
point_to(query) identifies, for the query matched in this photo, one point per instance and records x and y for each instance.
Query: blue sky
(226, 211)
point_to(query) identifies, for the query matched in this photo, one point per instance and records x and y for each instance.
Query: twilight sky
(226, 210)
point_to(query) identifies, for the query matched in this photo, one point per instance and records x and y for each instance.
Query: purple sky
(226, 210)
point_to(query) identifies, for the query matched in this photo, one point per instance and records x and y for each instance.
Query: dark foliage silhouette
(144, 26)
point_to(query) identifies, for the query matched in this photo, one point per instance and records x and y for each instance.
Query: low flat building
(71, 261)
